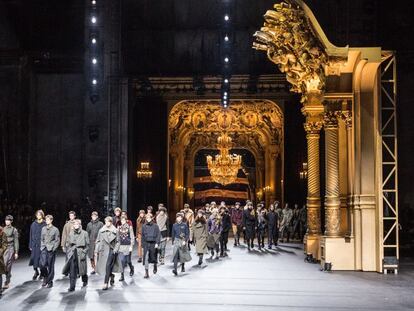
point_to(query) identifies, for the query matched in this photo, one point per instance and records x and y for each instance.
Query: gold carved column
(332, 201)
(312, 129)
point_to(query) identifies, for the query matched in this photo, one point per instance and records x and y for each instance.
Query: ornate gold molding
(290, 43)
(313, 127)
(330, 119)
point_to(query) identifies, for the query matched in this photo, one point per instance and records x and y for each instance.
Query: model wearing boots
(226, 226)
(179, 236)
(214, 232)
(140, 222)
(34, 242)
(106, 252)
(77, 247)
(12, 250)
(272, 227)
(92, 229)
(151, 238)
(199, 235)
(261, 227)
(50, 239)
(164, 225)
(236, 222)
(249, 225)
(126, 241)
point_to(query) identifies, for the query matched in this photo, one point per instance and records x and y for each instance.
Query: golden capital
(347, 117)
(330, 119)
(313, 127)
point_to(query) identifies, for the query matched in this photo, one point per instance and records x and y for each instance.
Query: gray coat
(50, 238)
(92, 229)
(199, 236)
(106, 241)
(77, 241)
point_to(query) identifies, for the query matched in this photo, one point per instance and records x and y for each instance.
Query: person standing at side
(272, 227)
(236, 221)
(3, 247)
(199, 235)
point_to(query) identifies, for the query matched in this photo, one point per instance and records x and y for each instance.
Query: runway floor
(267, 280)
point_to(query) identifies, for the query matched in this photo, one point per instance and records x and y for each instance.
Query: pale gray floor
(268, 280)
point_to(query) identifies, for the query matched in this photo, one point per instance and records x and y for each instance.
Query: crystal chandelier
(225, 166)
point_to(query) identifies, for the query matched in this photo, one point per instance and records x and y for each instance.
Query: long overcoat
(199, 236)
(34, 243)
(92, 229)
(77, 241)
(106, 242)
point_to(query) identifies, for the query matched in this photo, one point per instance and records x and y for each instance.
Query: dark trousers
(110, 263)
(48, 265)
(272, 235)
(224, 238)
(260, 237)
(126, 260)
(74, 271)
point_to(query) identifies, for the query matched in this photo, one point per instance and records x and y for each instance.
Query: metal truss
(389, 183)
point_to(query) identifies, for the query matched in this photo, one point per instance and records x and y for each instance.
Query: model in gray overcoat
(107, 242)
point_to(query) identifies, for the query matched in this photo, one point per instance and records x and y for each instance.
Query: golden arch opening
(254, 125)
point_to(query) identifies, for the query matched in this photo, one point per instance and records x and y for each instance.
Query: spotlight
(93, 40)
(225, 93)
(94, 82)
(93, 2)
(226, 17)
(225, 96)
(226, 80)
(94, 19)
(226, 38)
(94, 61)
(226, 59)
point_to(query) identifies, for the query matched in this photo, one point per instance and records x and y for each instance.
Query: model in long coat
(77, 246)
(180, 235)
(35, 241)
(92, 229)
(199, 235)
(106, 251)
(3, 247)
(249, 225)
(214, 232)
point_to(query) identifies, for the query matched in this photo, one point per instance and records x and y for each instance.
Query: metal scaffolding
(389, 186)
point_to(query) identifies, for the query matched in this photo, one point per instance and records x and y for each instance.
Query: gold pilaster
(332, 201)
(347, 117)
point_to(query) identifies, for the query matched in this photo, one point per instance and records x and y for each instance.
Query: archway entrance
(254, 125)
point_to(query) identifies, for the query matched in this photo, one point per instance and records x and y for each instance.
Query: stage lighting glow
(226, 80)
(94, 19)
(226, 38)
(94, 61)
(226, 59)
(94, 82)
(93, 41)
(226, 17)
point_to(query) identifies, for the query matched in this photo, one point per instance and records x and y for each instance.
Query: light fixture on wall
(144, 171)
(303, 174)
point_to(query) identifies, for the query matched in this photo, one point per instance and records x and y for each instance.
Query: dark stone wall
(56, 136)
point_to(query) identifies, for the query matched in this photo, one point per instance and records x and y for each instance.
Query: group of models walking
(109, 244)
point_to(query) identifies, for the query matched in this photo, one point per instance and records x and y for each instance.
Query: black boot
(146, 276)
(121, 279)
(182, 268)
(35, 275)
(131, 270)
(112, 279)
(174, 272)
(155, 269)
(200, 260)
